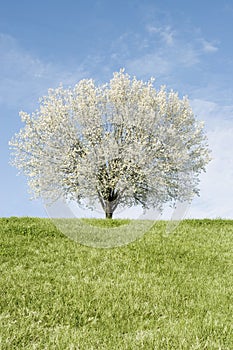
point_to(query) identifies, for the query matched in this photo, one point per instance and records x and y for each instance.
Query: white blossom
(122, 143)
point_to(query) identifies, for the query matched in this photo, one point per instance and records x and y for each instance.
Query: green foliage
(160, 292)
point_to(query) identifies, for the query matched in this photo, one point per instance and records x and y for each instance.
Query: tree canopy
(123, 143)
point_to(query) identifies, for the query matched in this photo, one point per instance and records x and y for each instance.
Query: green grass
(160, 292)
(103, 233)
(107, 223)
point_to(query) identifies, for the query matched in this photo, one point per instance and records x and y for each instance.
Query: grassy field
(159, 292)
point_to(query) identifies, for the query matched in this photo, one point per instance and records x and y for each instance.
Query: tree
(122, 144)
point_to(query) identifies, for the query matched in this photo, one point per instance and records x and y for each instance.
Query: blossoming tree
(122, 144)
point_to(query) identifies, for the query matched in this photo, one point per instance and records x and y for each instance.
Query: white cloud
(24, 77)
(171, 49)
(165, 33)
(150, 64)
(160, 51)
(208, 47)
(162, 62)
(187, 55)
(215, 115)
(216, 186)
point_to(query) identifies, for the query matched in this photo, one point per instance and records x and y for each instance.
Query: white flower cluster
(122, 143)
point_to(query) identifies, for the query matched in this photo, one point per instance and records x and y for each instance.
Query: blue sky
(186, 45)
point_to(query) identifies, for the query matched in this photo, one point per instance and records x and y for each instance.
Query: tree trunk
(108, 215)
(108, 210)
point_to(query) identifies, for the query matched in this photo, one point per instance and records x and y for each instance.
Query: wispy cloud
(216, 116)
(161, 50)
(25, 77)
(208, 46)
(149, 64)
(165, 33)
(216, 186)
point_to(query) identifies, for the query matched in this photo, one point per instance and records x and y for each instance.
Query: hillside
(160, 292)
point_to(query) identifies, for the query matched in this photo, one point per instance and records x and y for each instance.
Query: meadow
(159, 292)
